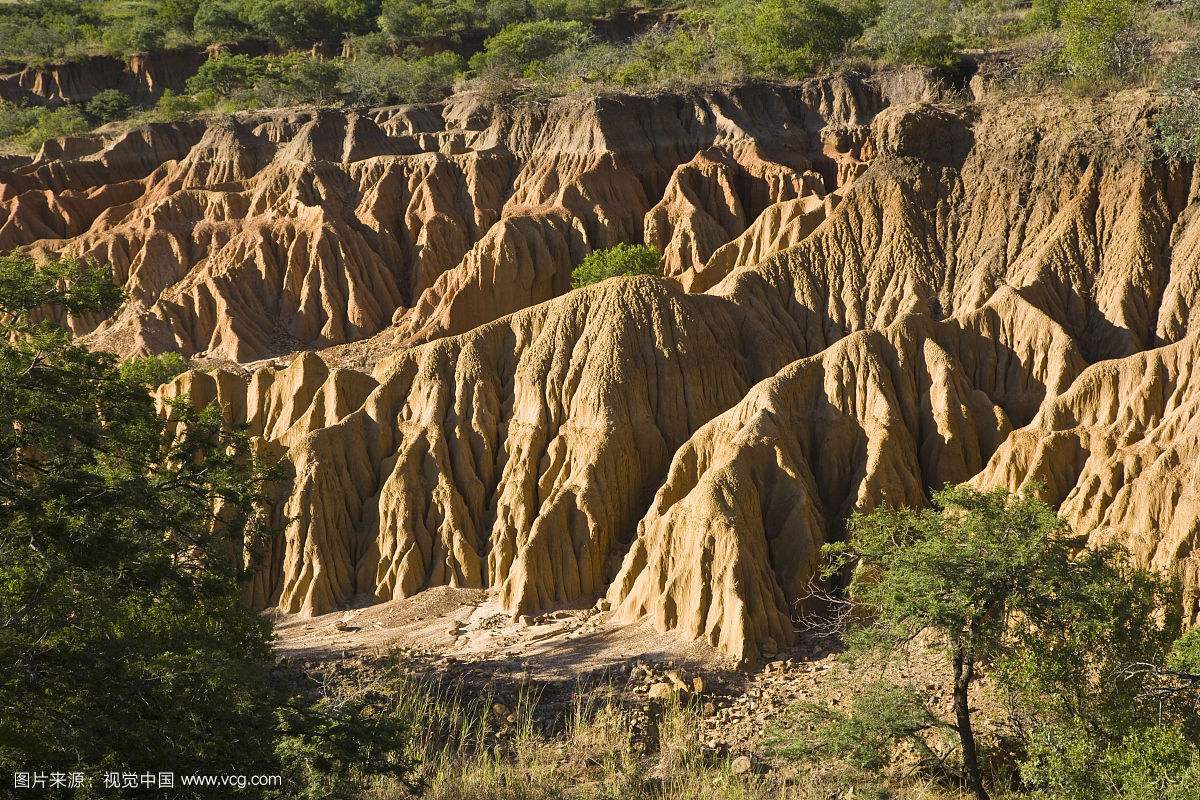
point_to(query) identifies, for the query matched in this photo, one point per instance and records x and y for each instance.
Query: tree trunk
(964, 673)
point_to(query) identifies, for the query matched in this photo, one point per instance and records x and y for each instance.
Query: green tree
(522, 45)
(998, 583)
(140, 35)
(296, 78)
(378, 81)
(582, 10)
(621, 259)
(121, 541)
(125, 540)
(353, 16)
(289, 79)
(226, 74)
(108, 105)
(292, 23)
(498, 13)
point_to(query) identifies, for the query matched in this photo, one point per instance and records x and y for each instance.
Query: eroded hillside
(874, 288)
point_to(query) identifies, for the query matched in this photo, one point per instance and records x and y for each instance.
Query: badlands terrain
(873, 287)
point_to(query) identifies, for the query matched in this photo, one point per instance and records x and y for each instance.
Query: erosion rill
(875, 287)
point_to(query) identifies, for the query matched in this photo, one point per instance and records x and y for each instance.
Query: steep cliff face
(257, 235)
(143, 77)
(870, 294)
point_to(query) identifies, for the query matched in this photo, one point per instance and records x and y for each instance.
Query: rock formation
(143, 77)
(870, 293)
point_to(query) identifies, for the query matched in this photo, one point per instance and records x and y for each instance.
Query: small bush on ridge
(621, 259)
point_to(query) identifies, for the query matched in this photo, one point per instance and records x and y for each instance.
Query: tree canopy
(1074, 639)
(126, 537)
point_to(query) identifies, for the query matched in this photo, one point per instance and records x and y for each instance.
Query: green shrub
(39, 31)
(622, 259)
(16, 119)
(523, 45)
(144, 35)
(51, 124)
(152, 371)
(575, 9)
(498, 13)
(108, 105)
(328, 746)
(979, 24)
(415, 21)
(1043, 15)
(296, 78)
(1101, 39)
(22, 38)
(1152, 762)
(665, 58)
(221, 21)
(1189, 10)
(1185, 653)
(172, 106)
(353, 16)
(376, 44)
(913, 32)
(180, 14)
(1177, 126)
(381, 81)
(792, 38)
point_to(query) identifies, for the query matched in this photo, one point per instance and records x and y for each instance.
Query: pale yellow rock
(872, 295)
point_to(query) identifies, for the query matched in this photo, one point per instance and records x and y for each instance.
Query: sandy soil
(465, 625)
(459, 637)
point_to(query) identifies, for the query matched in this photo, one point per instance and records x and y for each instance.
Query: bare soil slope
(874, 289)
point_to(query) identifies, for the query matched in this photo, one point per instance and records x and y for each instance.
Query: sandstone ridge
(871, 293)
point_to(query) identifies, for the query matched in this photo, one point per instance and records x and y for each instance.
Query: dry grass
(472, 751)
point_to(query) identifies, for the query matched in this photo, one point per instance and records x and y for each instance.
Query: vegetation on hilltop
(418, 50)
(621, 259)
